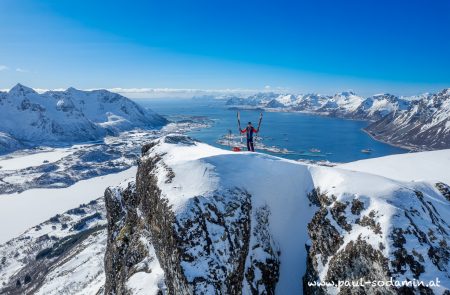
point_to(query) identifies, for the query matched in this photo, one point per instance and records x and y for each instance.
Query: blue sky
(322, 46)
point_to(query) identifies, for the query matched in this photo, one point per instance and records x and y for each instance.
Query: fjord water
(337, 139)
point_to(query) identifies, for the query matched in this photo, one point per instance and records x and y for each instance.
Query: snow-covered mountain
(309, 102)
(30, 118)
(258, 99)
(345, 104)
(425, 125)
(207, 224)
(63, 255)
(194, 221)
(378, 106)
(342, 104)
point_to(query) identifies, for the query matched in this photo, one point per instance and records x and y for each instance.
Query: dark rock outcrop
(215, 245)
(335, 259)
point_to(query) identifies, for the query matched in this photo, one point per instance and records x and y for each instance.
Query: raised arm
(243, 130)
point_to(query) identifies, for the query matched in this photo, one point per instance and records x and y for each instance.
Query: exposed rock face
(344, 251)
(425, 125)
(197, 233)
(210, 246)
(378, 106)
(127, 251)
(444, 189)
(194, 222)
(262, 271)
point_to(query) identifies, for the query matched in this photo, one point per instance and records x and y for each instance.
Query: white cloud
(3, 68)
(168, 92)
(179, 92)
(20, 70)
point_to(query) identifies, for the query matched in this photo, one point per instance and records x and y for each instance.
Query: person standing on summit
(250, 130)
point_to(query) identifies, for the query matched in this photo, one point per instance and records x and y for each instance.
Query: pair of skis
(239, 121)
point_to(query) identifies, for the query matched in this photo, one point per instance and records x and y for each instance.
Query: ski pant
(250, 146)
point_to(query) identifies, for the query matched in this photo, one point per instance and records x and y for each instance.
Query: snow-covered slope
(310, 102)
(196, 220)
(430, 166)
(425, 125)
(8, 143)
(345, 104)
(67, 116)
(342, 104)
(265, 226)
(258, 99)
(378, 106)
(63, 255)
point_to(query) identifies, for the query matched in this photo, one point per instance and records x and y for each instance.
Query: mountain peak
(445, 91)
(347, 93)
(71, 89)
(20, 89)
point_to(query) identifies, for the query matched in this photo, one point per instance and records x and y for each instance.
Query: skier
(249, 130)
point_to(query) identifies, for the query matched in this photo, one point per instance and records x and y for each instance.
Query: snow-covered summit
(20, 90)
(68, 116)
(342, 104)
(215, 226)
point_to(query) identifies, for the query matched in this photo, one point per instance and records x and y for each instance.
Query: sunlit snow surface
(283, 186)
(383, 185)
(21, 160)
(429, 166)
(21, 211)
(40, 183)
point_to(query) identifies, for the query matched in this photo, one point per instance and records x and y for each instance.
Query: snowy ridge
(425, 125)
(69, 116)
(196, 221)
(378, 106)
(209, 206)
(345, 104)
(342, 103)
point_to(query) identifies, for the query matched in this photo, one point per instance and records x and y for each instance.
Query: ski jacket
(249, 131)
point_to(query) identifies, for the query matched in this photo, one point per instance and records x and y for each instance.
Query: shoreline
(408, 148)
(405, 147)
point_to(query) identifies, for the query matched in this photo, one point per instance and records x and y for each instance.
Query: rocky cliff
(195, 222)
(209, 246)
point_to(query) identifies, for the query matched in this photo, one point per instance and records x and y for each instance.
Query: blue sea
(304, 135)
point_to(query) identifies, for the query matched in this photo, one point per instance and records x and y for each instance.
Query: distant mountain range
(418, 123)
(424, 125)
(29, 118)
